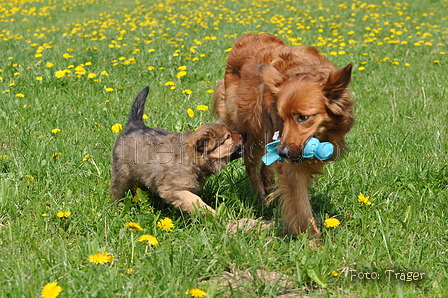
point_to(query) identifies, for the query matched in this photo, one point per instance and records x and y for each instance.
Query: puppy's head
(309, 105)
(216, 141)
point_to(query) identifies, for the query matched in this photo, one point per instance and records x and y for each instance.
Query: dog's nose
(283, 152)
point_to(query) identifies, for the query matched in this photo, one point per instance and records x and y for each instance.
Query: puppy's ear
(270, 77)
(336, 91)
(204, 140)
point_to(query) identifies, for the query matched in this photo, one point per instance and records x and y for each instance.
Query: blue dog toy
(313, 149)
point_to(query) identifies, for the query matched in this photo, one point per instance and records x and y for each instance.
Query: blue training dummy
(313, 149)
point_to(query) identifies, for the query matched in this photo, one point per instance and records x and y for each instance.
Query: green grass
(398, 150)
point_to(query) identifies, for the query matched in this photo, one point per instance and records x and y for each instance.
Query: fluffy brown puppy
(271, 87)
(171, 164)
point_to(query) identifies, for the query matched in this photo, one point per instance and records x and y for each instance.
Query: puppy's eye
(302, 118)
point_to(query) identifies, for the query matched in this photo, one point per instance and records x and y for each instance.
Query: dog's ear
(270, 77)
(204, 139)
(335, 89)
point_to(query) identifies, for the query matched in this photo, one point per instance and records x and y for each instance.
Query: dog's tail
(138, 107)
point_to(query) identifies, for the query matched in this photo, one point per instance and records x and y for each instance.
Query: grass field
(69, 71)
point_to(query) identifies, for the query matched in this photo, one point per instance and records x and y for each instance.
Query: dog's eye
(303, 118)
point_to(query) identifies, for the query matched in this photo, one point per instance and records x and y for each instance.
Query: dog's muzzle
(285, 153)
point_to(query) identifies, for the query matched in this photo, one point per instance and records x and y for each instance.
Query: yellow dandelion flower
(331, 223)
(63, 214)
(190, 113)
(149, 238)
(165, 224)
(55, 131)
(195, 292)
(80, 70)
(29, 178)
(181, 74)
(56, 155)
(187, 91)
(51, 290)
(133, 226)
(363, 199)
(117, 127)
(202, 108)
(60, 74)
(101, 258)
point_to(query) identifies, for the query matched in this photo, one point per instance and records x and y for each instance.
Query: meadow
(69, 71)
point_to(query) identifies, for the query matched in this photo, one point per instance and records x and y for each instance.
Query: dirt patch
(259, 225)
(253, 283)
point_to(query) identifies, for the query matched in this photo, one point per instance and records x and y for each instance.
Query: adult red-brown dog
(271, 87)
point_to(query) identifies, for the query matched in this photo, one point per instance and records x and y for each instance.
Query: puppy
(270, 87)
(173, 165)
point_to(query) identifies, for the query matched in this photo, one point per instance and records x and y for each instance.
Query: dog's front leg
(293, 186)
(188, 201)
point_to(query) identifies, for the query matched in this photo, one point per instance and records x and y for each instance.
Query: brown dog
(173, 165)
(270, 87)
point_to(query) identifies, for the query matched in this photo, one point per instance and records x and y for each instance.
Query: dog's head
(306, 105)
(217, 141)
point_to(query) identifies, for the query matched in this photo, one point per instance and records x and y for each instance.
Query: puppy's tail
(138, 107)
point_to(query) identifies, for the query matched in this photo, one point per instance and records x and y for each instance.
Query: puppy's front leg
(188, 201)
